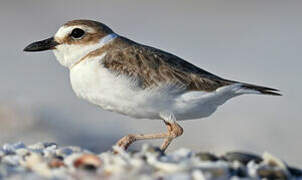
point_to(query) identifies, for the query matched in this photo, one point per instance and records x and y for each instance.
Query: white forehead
(65, 30)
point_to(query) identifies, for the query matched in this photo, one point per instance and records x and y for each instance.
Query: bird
(143, 82)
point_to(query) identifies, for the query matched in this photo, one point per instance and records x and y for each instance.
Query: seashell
(87, 162)
(273, 161)
(56, 163)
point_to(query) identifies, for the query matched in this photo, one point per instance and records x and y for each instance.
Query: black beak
(43, 45)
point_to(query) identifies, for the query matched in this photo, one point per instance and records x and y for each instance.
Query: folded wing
(154, 67)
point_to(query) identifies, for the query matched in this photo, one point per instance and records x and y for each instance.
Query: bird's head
(74, 40)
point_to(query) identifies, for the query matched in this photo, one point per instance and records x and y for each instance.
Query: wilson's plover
(140, 81)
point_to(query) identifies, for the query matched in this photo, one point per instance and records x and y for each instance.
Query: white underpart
(91, 81)
(68, 54)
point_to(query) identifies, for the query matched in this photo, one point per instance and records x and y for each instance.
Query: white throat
(69, 54)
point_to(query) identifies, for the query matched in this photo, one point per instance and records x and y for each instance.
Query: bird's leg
(126, 141)
(174, 130)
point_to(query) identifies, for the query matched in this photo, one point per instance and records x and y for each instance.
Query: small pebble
(56, 163)
(65, 151)
(22, 152)
(49, 161)
(271, 173)
(87, 162)
(12, 160)
(2, 153)
(47, 144)
(239, 172)
(273, 161)
(241, 157)
(38, 147)
(52, 147)
(205, 156)
(295, 171)
(19, 145)
(8, 149)
(152, 149)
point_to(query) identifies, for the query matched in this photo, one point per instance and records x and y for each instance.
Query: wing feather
(155, 67)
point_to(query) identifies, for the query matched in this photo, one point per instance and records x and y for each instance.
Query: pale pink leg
(174, 130)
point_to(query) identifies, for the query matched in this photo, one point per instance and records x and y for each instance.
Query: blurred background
(252, 41)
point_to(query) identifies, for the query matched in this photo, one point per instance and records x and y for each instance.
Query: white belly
(91, 81)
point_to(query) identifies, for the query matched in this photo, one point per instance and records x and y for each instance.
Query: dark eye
(77, 33)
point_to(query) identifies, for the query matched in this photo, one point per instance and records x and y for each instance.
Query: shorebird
(123, 76)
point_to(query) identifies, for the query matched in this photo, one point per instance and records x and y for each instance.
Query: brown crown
(101, 30)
